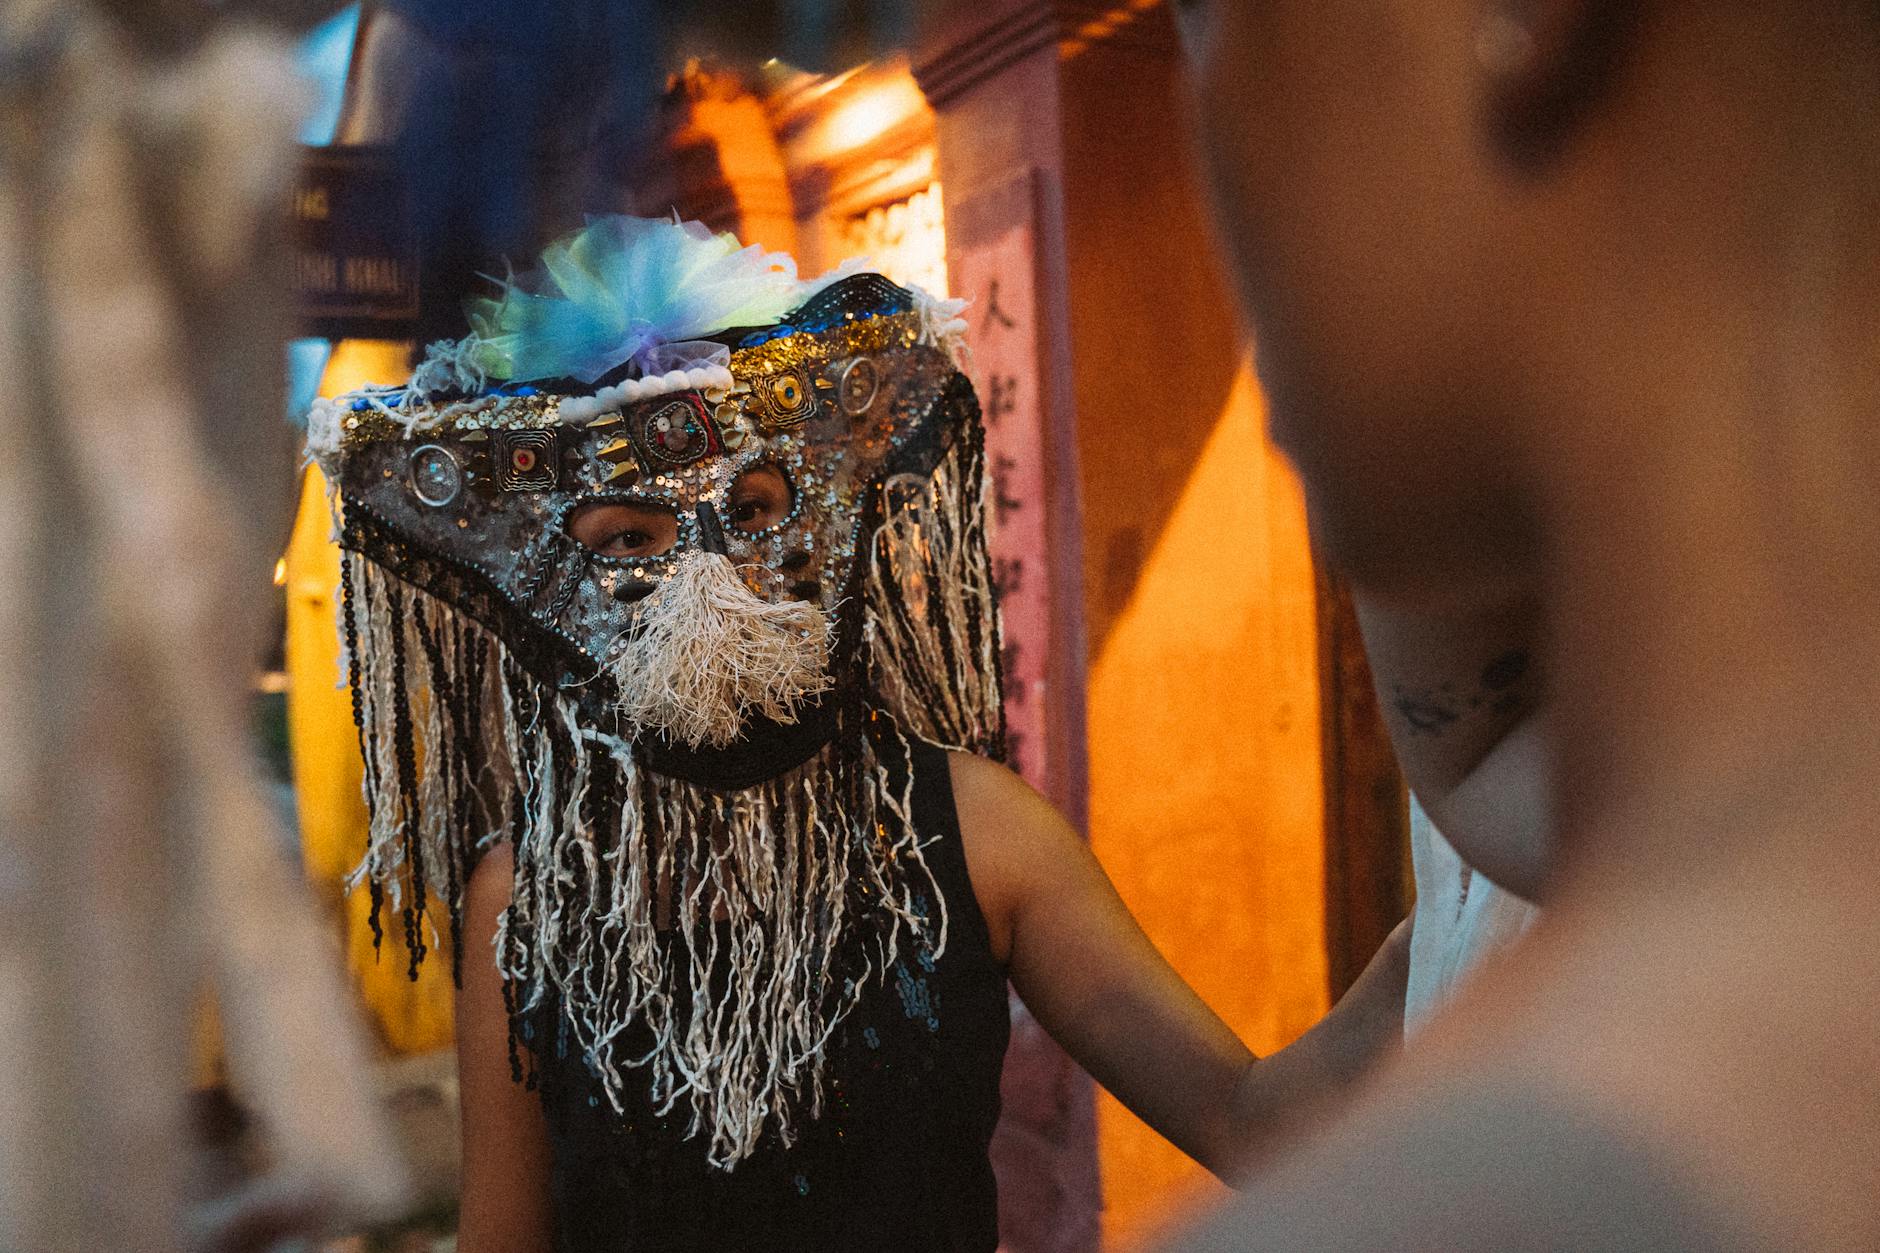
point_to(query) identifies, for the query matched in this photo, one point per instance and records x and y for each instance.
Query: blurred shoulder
(1477, 1167)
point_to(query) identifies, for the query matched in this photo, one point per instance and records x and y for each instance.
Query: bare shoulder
(1014, 840)
(996, 806)
(980, 782)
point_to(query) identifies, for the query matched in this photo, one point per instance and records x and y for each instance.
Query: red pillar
(991, 72)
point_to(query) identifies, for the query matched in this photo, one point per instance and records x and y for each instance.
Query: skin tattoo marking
(1425, 712)
(1428, 711)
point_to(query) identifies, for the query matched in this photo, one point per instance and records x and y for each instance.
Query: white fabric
(140, 864)
(1461, 917)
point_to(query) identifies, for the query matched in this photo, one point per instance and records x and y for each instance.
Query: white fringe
(930, 560)
(622, 921)
(943, 326)
(450, 365)
(709, 653)
(619, 395)
(326, 420)
(325, 434)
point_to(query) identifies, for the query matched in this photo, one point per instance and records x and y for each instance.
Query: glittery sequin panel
(860, 407)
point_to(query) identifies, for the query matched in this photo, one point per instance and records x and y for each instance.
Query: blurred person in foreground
(1582, 295)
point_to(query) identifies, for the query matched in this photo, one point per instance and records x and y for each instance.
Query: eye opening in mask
(624, 527)
(761, 500)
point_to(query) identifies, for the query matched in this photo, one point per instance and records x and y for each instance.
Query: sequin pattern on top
(836, 409)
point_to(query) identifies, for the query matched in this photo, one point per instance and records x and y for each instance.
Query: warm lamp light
(870, 114)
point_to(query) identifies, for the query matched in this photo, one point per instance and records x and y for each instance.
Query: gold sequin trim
(867, 335)
(512, 413)
(490, 413)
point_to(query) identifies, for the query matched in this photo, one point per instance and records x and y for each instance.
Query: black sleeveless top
(898, 1159)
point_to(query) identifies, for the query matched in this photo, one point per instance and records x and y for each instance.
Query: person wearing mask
(671, 629)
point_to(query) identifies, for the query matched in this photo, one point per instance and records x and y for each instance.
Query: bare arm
(1461, 696)
(1096, 983)
(505, 1142)
(1297, 1087)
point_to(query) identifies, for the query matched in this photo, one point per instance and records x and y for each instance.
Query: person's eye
(624, 528)
(627, 543)
(760, 499)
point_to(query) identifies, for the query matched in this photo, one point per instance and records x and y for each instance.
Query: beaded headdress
(598, 709)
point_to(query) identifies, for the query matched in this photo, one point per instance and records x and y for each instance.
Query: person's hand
(1283, 1095)
(1375, 1002)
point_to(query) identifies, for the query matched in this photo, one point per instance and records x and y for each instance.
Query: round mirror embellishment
(857, 389)
(435, 477)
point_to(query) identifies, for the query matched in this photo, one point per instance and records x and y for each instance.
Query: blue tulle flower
(628, 289)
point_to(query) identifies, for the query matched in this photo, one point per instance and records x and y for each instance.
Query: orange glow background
(1205, 788)
(408, 1016)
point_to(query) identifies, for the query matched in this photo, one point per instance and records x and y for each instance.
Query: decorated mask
(653, 575)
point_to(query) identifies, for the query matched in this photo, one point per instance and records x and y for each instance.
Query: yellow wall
(410, 1017)
(1205, 786)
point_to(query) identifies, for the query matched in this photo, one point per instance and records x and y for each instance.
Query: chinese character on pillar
(1045, 1148)
(996, 272)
